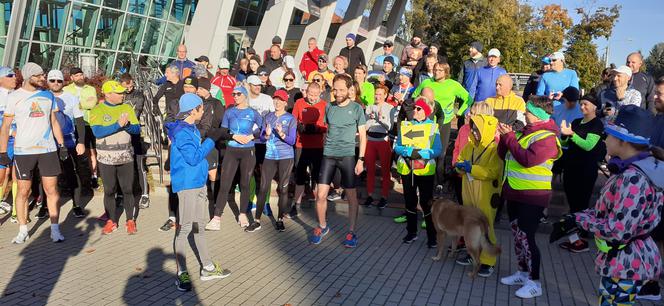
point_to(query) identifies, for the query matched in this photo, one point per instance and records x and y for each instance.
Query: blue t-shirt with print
(276, 147)
(241, 122)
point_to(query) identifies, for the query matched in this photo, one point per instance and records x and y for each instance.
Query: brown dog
(467, 221)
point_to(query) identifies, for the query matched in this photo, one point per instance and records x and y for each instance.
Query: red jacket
(537, 153)
(307, 114)
(309, 62)
(226, 84)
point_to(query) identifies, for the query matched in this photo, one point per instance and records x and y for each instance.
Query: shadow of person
(44, 261)
(154, 272)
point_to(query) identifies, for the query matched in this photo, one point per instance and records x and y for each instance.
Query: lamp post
(608, 49)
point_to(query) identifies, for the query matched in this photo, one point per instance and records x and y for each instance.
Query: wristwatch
(362, 158)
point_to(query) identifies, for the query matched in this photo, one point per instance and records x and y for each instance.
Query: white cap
(224, 64)
(55, 75)
(289, 61)
(557, 56)
(494, 52)
(624, 70)
(254, 80)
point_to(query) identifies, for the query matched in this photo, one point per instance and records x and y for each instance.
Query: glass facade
(54, 32)
(248, 13)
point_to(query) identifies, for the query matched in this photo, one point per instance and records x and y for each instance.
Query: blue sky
(637, 28)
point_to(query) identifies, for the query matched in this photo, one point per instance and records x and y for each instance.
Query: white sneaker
(56, 236)
(20, 238)
(213, 225)
(5, 208)
(529, 290)
(518, 278)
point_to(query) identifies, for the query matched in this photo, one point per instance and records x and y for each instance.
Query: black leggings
(271, 167)
(445, 131)
(139, 164)
(411, 185)
(72, 175)
(245, 159)
(579, 182)
(112, 176)
(524, 220)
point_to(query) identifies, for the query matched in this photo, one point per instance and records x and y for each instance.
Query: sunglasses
(289, 80)
(236, 94)
(322, 61)
(317, 80)
(262, 74)
(56, 81)
(387, 46)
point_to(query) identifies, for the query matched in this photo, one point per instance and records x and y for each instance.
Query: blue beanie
(351, 36)
(189, 101)
(242, 90)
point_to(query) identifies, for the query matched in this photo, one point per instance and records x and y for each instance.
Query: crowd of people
(322, 129)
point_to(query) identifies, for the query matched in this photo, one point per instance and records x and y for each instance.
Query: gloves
(4, 159)
(563, 227)
(465, 166)
(415, 154)
(63, 153)
(215, 134)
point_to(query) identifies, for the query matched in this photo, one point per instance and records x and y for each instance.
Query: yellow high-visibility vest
(422, 137)
(533, 178)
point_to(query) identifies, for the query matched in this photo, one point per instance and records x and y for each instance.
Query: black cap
(388, 43)
(202, 58)
(592, 99)
(571, 94)
(75, 70)
(190, 81)
(204, 83)
(389, 59)
(262, 70)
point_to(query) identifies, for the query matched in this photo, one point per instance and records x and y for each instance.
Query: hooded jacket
(487, 167)
(189, 166)
(354, 55)
(629, 206)
(538, 152)
(309, 62)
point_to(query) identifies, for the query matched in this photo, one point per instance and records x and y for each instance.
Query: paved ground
(269, 268)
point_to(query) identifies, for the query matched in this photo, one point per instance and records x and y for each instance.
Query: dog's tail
(492, 249)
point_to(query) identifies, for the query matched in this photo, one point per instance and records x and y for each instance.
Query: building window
(50, 21)
(160, 8)
(5, 17)
(82, 25)
(138, 6)
(153, 36)
(180, 10)
(116, 4)
(248, 13)
(172, 39)
(108, 29)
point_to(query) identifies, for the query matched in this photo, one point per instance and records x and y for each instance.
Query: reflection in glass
(138, 6)
(47, 56)
(160, 8)
(5, 14)
(3, 44)
(172, 39)
(22, 53)
(117, 4)
(192, 10)
(28, 19)
(70, 57)
(50, 22)
(180, 10)
(105, 61)
(122, 60)
(130, 40)
(108, 29)
(152, 38)
(82, 25)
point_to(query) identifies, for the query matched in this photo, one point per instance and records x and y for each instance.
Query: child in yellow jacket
(481, 168)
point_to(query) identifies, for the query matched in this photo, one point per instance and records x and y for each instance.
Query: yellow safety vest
(533, 178)
(428, 132)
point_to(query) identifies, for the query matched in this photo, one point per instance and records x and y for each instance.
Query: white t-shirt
(69, 105)
(263, 104)
(4, 93)
(32, 115)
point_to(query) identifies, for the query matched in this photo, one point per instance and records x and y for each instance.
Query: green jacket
(445, 93)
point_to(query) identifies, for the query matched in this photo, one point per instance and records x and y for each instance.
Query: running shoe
(56, 236)
(351, 240)
(103, 217)
(529, 290)
(460, 247)
(280, 226)
(21, 238)
(432, 244)
(333, 196)
(131, 227)
(410, 238)
(465, 260)
(43, 212)
(5, 208)
(518, 278)
(254, 226)
(485, 270)
(109, 228)
(144, 202)
(368, 201)
(649, 292)
(168, 225)
(13, 219)
(293, 212)
(438, 192)
(578, 246)
(267, 210)
(318, 234)
(400, 219)
(213, 225)
(183, 282)
(216, 273)
(78, 212)
(382, 203)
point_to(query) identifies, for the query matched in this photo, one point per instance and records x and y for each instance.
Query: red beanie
(423, 104)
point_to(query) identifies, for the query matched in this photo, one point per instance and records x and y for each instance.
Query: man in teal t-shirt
(344, 119)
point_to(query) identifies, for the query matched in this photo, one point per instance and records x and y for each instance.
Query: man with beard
(37, 130)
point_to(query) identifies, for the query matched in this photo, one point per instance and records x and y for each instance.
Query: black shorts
(213, 159)
(308, 158)
(90, 140)
(346, 166)
(48, 165)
